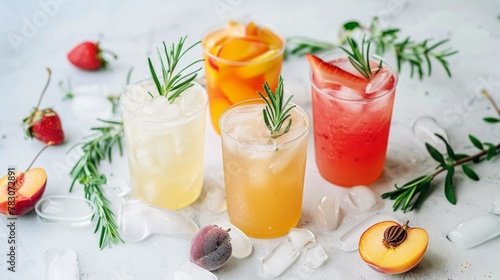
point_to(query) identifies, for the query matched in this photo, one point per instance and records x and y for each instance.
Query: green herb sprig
(174, 83)
(411, 195)
(98, 147)
(419, 55)
(360, 58)
(276, 111)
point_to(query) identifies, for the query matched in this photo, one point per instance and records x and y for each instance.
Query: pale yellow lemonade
(165, 144)
(264, 177)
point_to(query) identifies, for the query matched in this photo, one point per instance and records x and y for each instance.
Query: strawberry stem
(115, 56)
(48, 145)
(44, 89)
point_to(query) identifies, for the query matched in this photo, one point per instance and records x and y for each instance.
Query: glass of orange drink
(264, 176)
(239, 58)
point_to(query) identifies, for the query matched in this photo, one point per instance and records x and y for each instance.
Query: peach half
(391, 248)
(20, 192)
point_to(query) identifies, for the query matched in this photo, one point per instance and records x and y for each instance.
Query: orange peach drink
(239, 59)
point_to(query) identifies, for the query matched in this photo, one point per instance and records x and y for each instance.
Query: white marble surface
(134, 29)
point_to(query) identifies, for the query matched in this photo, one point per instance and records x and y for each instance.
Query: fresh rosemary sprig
(276, 112)
(99, 146)
(173, 83)
(359, 58)
(418, 55)
(411, 195)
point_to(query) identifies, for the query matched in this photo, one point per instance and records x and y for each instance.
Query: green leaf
(470, 173)
(461, 156)
(448, 186)
(492, 151)
(449, 149)
(424, 190)
(435, 154)
(351, 25)
(476, 142)
(491, 120)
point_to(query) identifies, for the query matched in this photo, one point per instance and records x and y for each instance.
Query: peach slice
(237, 89)
(20, 198)
(271, 39)
(259, 65)
(242, 49)
(252, 29)
(391, 248)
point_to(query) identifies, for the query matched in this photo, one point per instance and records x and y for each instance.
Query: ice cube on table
(278, 260)
(300, 237)
(65, 209)
(379, 81)
(87, 109)
(424, 128)
(215, 199)
(350, 240)
(495, 207)
(190, 271)
(361, 198)
(314, 256)
(327, 214)
(137, 220)
(61, 265)
(117, 187)
(242, 246)
(474, 231)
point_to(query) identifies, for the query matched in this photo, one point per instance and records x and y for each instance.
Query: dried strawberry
(44, 125)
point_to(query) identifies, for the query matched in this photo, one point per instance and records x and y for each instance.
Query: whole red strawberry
(44, 125)
(88, 56)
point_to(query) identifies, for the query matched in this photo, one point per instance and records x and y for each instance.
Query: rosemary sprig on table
(419, 55)
(276, 112)
(99, 146)
(359, 58)
(173, 83)
(411, 195)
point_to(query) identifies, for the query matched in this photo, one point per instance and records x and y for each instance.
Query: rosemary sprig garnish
(419, 55)
(173, 83)
(99, 146)
(360, 58)
(276, 112)
(411, 195)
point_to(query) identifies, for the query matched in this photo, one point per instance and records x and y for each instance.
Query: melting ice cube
(190, 271)
(278, 260)
(65, 209)
(350, 240)
(300, 237)
(495, 207)
(137, 220)
(314, 256)
(215, 199)
(61, 265)
(362, 198)
(327, 214)
(242, 246)
(425, 128)
(474, 231)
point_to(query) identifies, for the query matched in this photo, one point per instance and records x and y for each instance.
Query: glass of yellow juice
(165, 143)
(239, 58)
(264, 176)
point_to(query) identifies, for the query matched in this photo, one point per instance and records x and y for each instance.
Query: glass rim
(299, 109)
(339, 53)
(243, 63)
(176, 121)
